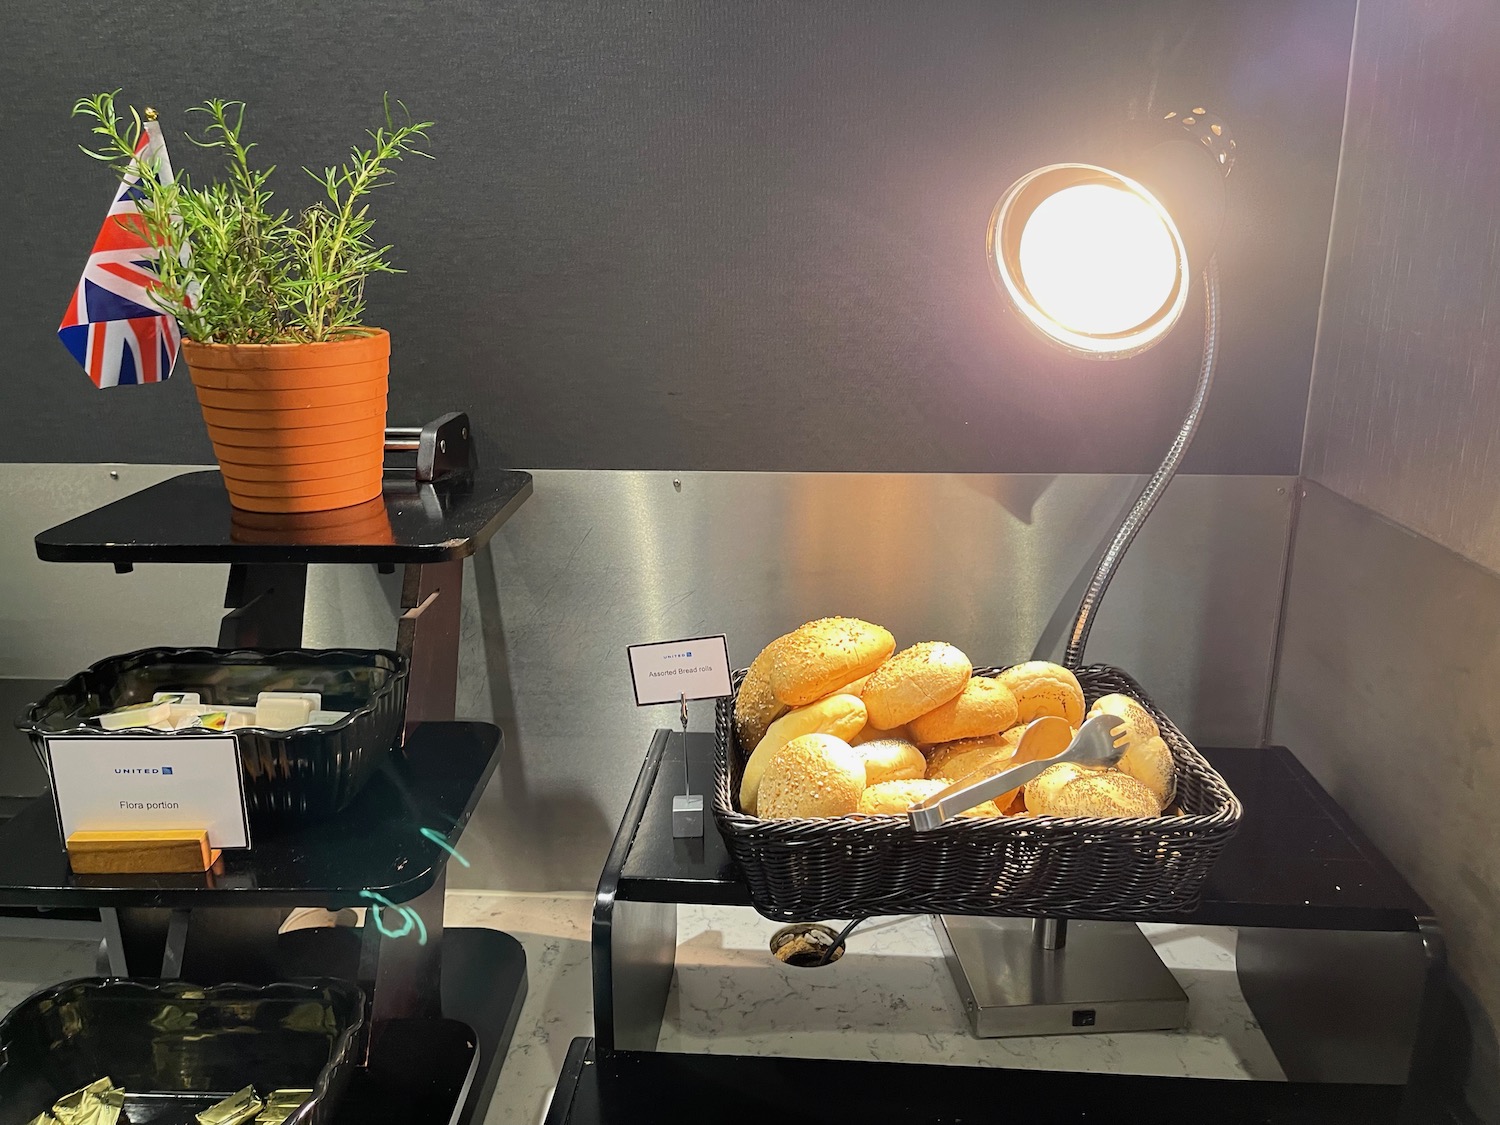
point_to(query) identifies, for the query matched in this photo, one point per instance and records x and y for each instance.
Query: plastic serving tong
(1100, 741)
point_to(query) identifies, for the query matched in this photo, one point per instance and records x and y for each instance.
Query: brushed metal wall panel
(597, 560)
(708, 234)
(1406, 388)
(1386, 691)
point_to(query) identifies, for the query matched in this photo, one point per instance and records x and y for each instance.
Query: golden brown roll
(1147, 757)
(895, 797)
(985, 706)
(1137, 718)
(954, 760)
(855, 687)
(1085, 791)
(914, 681)
(842, 716)
(1150, 762)
(1043, 688)
(871, 734)
(815, 775)
(756, 708)
(891, 759)
(822, 656)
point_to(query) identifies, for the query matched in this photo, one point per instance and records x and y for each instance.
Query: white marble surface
(29, 964)
(554, 931)
(891, 998)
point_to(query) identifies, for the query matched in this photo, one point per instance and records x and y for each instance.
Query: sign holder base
(154, 851)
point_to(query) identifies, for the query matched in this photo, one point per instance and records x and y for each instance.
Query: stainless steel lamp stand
(1048, 976)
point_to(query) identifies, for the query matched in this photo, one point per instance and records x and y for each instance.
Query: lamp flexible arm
(1083, 622)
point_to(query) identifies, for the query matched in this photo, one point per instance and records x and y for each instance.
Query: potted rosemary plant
(291, 382)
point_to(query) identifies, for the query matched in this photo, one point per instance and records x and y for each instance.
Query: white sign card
(667, 671)
(112, 783)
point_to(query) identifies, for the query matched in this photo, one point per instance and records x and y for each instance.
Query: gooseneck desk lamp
(1099, 262)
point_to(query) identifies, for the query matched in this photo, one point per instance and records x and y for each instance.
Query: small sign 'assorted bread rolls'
(670, 671)
(677, 672)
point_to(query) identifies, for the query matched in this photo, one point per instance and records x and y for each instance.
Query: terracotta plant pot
(296, 427)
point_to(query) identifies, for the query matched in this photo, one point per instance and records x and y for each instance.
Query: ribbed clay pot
(296, 427)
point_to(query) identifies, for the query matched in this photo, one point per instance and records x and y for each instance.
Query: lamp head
(1100, 261)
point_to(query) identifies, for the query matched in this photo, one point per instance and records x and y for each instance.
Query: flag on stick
(112, 327)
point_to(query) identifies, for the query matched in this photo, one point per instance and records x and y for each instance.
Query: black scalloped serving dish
(176, 1048)
(289, 775)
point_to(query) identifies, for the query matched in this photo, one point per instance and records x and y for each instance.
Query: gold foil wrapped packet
(233, 1110)
(98, 1103)
(281, 1104)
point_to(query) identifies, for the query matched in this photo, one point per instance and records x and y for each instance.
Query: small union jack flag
(112, 327)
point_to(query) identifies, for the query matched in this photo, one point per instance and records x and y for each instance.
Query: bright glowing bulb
(1098, 259)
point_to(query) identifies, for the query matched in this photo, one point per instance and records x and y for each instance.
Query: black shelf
(188, 519)
(650, 1088)
(375, 844)
(1296, 862)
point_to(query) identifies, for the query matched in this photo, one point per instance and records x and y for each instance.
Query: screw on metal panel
(677, 484)
(114, 474)
(1281, 492)
(442, 447)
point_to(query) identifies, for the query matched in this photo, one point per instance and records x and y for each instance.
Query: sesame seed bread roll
(954, 760)
(1043, 688)
(1137, 718)
(1150, 762)
(755, 707)
(1089, 792)
(815, 775)
(872, 734)
(914, 681)
(822, 656)
(985, 706)
(896, 797)
(842, 716)
(1147, 757)
(892, 759)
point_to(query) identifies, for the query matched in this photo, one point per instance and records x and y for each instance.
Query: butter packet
(233, 1110)
(281, 1104)
(98, 1103)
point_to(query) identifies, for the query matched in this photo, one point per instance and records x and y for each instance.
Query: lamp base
(1106, 977)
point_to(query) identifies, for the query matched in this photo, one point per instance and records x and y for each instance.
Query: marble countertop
(889, 998)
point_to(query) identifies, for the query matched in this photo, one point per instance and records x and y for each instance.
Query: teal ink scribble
(410, 918)
(437, 838)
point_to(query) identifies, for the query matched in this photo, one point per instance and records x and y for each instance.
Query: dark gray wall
(710, 234)
(1386, 681)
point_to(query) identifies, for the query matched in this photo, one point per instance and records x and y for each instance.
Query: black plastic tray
(289, 775)
(178, 1047)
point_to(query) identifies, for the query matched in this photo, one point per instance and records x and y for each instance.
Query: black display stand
(1337, 957)
(442, 1012)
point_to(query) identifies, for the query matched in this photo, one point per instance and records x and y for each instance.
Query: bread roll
(872, 733)
(1147, 758)
(822, 656)
(842, 716)
(985, 706)
(975, 758)
(1043, 688)
(1072, 790)
(1150, 762)
(756, 708)
(855, 687)
(955, 760)
(1137, 718)
(815, 775)
(891, 759)
(895, 797)
(914, 681)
